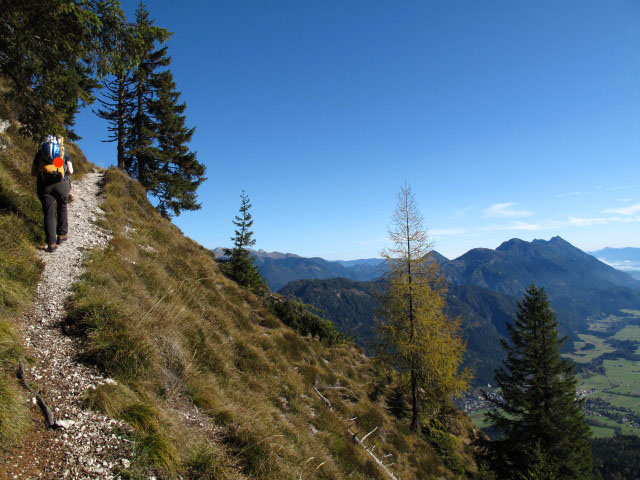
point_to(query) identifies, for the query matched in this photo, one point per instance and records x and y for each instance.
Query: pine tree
(141, 153)
(117, 102)
(177, 173)
(416, 337)
(240, 266)
(147, 120)
(543, 427)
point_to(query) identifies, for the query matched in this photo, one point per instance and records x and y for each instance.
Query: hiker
(52, 169)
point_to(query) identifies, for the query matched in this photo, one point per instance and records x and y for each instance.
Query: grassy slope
(156, 315)
(159, 317)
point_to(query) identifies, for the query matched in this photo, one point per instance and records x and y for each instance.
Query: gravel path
(89, 446)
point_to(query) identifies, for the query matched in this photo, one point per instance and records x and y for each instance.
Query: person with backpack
(52, 169)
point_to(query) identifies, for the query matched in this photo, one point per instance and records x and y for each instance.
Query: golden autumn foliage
(416, 336)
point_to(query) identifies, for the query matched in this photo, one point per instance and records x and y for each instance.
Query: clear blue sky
(508, 118)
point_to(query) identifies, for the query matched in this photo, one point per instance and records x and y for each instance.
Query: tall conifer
(177, 173)
(140, 159)
(117, 99)
(416, 337)
(541, 420)
(147, 120)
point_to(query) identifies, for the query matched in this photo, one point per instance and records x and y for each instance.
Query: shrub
(296, 315)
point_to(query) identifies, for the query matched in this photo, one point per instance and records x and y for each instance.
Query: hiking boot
(51, 247)
(62, 238)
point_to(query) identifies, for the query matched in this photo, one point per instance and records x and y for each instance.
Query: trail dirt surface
(86, 445)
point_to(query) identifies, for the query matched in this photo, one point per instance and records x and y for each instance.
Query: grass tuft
(14, 414)
(110, 399)
(158, 451)
(207, 463)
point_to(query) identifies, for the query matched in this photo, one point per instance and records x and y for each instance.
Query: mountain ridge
(484, 287)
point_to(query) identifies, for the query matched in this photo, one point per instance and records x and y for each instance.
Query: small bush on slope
(156, 314)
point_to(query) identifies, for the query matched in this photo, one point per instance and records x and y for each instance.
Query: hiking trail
(90, 446)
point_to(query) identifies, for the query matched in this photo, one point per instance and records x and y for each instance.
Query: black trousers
(54, 200)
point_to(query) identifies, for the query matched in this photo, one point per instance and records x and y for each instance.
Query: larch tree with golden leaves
(415, 335)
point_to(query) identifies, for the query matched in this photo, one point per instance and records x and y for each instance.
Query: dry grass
(19, 273)
(157, 315)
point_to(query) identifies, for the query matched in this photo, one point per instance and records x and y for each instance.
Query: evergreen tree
(396, 401)
(177, 173)
(117, 102)
(147, 119)
(240, 266)
(544, 430)
(141, 153)
(416, 337)
(50, 54)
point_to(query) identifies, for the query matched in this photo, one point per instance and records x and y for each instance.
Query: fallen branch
(46, 411)
(370, 453)
(323, 398)
(365, 437)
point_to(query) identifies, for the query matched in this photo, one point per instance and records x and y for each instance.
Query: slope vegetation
(353, 306)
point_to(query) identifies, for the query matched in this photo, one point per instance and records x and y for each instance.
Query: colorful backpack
(52, 156)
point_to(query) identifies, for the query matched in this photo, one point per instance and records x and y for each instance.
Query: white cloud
(630, 210)
(587, 222)
(626, 265)
(505, 210)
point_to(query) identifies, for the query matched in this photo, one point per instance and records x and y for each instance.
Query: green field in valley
(585, 355)
(610, 387)
(616, 382)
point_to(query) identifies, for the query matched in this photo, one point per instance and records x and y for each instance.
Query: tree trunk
(139, 137)
(121, 120)
(414, 401)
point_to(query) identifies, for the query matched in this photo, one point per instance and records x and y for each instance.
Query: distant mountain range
(579, 286)
(278, 269)
(484, 287)
(625, 259)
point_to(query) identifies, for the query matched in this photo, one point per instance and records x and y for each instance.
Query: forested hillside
(353, 306)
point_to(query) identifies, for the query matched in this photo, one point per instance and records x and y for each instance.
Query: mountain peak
(512, 244)
(558, 240)
(517, 243)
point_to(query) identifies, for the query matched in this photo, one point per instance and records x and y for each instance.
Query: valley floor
(608, 370)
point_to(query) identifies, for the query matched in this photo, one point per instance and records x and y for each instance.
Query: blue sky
(509, 119)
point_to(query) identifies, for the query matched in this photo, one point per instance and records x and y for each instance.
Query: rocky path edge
(87, 445)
